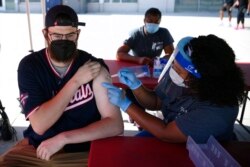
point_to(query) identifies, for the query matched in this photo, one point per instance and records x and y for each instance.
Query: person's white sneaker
(221, 23)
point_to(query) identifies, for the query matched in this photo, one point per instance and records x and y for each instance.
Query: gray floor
(103, 34)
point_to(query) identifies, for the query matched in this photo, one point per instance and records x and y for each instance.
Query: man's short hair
(154, 12)
(62, 15)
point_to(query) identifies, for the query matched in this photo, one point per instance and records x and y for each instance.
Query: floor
(104, 31)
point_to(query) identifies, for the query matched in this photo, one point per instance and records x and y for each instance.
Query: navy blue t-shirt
(149, 45)
(39, 82)
(195, 118)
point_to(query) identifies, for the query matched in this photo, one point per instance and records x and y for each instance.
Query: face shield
(182, 56)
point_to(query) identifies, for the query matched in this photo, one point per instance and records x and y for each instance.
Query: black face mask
(63, 50)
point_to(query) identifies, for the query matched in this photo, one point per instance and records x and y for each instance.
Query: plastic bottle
(157, 67)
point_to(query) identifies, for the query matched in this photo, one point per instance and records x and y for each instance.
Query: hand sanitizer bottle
(157, 67)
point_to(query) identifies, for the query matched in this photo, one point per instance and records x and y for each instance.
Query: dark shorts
(226, 7)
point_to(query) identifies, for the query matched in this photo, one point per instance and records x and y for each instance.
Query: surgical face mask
(152, 27)
(63, 50)
(176, 78)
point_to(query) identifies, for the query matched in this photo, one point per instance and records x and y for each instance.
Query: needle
(114, 75)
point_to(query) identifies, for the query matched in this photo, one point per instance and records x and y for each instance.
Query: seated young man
(62, 98)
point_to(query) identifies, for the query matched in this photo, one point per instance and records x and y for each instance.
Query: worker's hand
(117, 96)
(129, 78)
(145, 61)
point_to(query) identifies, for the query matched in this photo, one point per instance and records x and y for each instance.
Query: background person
(62, 97)
(248, 8)
(242, 9)
(227, 4)
(148, 41)
(199, 95)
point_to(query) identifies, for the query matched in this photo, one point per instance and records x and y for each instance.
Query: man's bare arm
(123, 55)
(111, 123)
(168, 50)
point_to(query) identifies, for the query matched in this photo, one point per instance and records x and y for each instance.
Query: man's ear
(78, 33)
(159, 21)
(46, 37)
(45, 33)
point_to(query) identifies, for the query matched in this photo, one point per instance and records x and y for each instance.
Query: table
(128, 151)
(115, 66)
(124, 151)
(239, 150)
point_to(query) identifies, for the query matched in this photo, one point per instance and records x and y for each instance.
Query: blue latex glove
(128, 78)
(116, 96)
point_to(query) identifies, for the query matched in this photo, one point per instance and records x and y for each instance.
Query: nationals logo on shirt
(82, 95)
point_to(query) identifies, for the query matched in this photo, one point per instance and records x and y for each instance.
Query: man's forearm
(106, 127)
(127, 57)
(50, 111)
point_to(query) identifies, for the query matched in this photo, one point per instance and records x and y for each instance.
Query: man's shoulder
(136, 31)
(83, 52)
(163, 33)
(34, 56)
(85, 56)
(163, 30)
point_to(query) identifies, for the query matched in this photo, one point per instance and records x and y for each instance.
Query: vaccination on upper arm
(101, 94)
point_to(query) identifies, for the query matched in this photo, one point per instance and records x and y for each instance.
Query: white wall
(143, 5)
(170, 5)
(35, 7)
(120, 7)
(93, 7)
(112, 7)
(80, 6)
